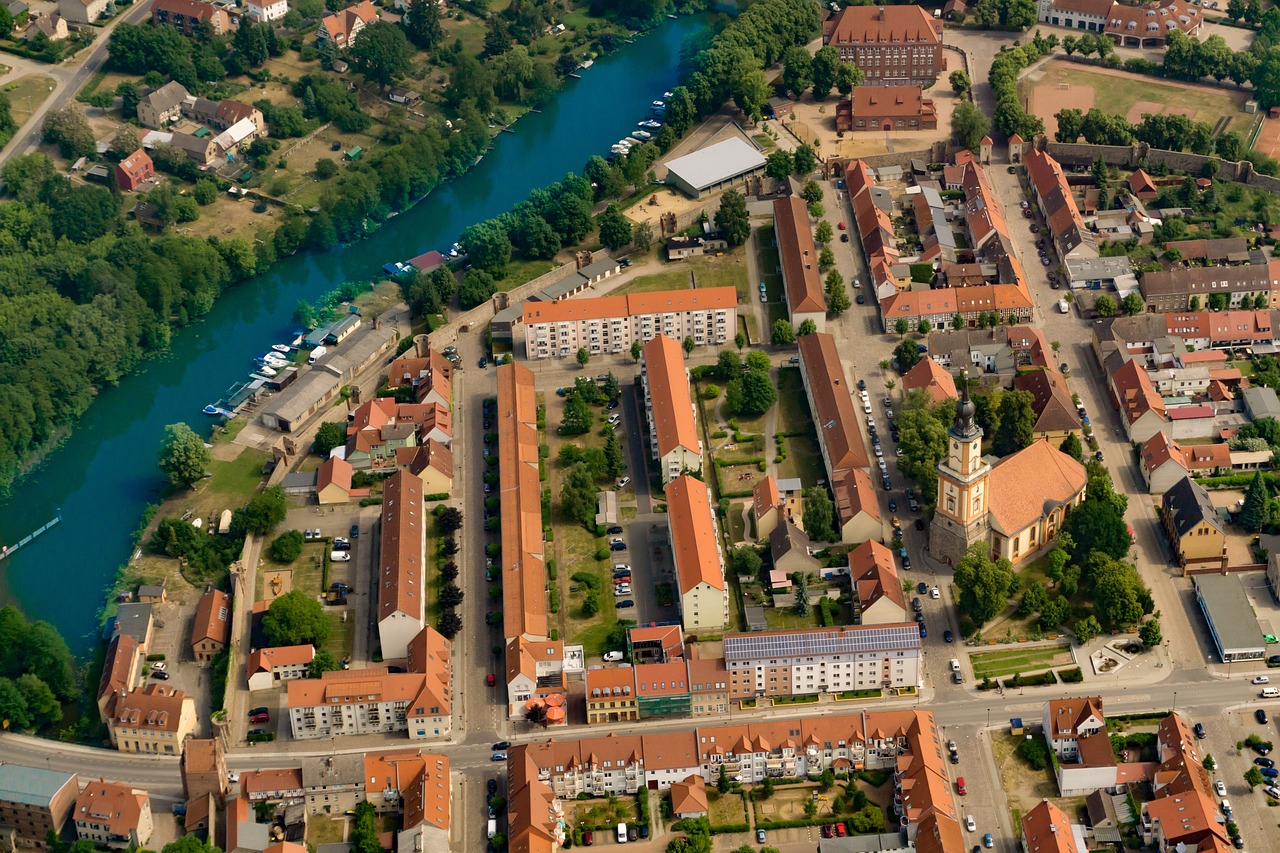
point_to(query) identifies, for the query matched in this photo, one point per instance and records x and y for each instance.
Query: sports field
(1060, 85)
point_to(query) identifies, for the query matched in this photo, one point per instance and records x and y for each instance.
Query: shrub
(287, 547)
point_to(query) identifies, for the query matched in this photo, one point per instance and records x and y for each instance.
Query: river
(105, 473)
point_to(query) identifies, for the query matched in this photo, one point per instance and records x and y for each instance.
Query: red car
(489, 678)
(827, 830)
(588, 839)
(841, 832)
(841, 226)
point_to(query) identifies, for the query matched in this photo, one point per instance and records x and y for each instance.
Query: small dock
(9, 550)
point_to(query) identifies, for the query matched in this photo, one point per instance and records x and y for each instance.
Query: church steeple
(965, 428)
(960, 518)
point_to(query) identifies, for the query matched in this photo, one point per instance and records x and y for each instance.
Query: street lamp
(1175, 701)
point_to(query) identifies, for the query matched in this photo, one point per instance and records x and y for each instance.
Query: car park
(255, 713)
(621, 590)
(613, 404)
(828, 831)
(644, 830)
(916, 605)
(491, 679)
(1272, 791)
(633, 833)
(621, 568)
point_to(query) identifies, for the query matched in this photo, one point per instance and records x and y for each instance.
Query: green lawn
(342, 635)
(793, 406)
(1011, 661)
(728, 270)
(727, 810)
(767, 263)
(804, 460)
(518, 272)
(236, 480)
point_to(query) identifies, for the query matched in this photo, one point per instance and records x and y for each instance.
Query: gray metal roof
(133, 620)
(594, 268)
(1231, 617)
(716, 163)
(1261, 402)
(291, 403)
(1097, 268)
(30, 786)
(827, 641)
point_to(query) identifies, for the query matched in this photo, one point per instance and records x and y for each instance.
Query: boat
(280, 348)
(659, 103)
(671, 16)
(267, 371)
(659, 110)
(649, 123)
(666, 94)
(587, 63)
(642, 135)
(218, 411)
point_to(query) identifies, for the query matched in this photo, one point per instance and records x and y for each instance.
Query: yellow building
(611, 695)
(155, 719)
(1194, 529)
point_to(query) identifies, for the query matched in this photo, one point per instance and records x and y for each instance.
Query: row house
(1182, 288)
(668, 403)
(798, 258)
(830, 396)
(611, 324)
(695, 545)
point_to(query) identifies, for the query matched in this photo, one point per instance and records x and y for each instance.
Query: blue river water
(105, 473)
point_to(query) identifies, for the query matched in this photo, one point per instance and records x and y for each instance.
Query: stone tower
(960, 518)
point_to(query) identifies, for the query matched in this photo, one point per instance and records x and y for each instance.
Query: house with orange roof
(367, 701)
(857, 508)
(1164, 462)
(663, 689)
(611, 695)
(656, 643)
(270, 666)
(135, 170)
(417, 786)
(830, 396)
(120, 670)
(401, 565)
(274, 785)
(431, 462)
(204, 769)
(212, 625)
(689, 798)
(766, 505)
(1066, 721)
(333, 481)
(113, 815)
(668, 404)
(932, 378)
(341, 29)
(798, 257)
(887, 108)
(1047, 829)
(1188, 820)
(891, 45)
(877, 589)
(430, 376)
(695, 547)
(535, 818)
(1071, 237)
(611, 324)
(381, 426)
(153, 720)
(535, 671)
(709, 686)
(1142, 411)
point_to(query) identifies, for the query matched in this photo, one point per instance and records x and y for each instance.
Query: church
(1015, 506)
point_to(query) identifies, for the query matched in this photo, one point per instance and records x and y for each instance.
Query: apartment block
(400, 572)
(155, 719)
(704, 597)
(673, 427)
(113, 815)
(35, 801)
(611, 324)
(825, 660)
(367, 701)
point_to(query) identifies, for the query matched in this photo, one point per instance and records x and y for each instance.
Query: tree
(477, 286)
(578, 416)
(732, 218)
(262, 513)
(1033, 599)
(1096, 525)
(642, 236)
(183, 457)
(205, 192)
(687, 345)
(969, 124)
(782, 333)
(323, 661)
(382, 53)
(823, 233)
(811, 192)
(819, 515)
(960, 82)
(295, 618)
(583, 357)
(615, 463)
(422, 24)
(449, 520)
(808, 327)
(797, 71)
(753, 394)
(287, 547)
(1072, 447)
(907, 354)
(924, 327)
(636, 350)
(1105, 306)
(779, 164)
(901, 325)
(751, 91)
(1132, 304)
(984, 584)
(69, 130)
(805, 159)
(615, 229)
(43, 707)
(125, 142)
(1209, 763)
(1017, 421)
(13, 705)
(129, 97)
(1118, 594)
(1149, 632)
(330, 435)
(848, 78)
(825, 70)
(1035, 752)
(722, 782)
(1256, 509)
(837, 298)
(1086, 629)
(1254, 777)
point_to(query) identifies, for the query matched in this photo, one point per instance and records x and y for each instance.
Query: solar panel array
(821, 643)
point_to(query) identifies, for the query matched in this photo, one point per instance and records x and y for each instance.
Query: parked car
(624, 482)
(624, 603)
(257, 712)
(491, 679)
(970, 824)
(501, 745)
(1269, 772)
(498, 756)
(588, 838)
(841, 832)
(1198, 728)
(828, 831)
(988, 841)
(158, 665)
(1261, 716)
(615, 529)
(613, 656)
(1264, 762)
(760, 837)
(160, 674)
(1220, 787)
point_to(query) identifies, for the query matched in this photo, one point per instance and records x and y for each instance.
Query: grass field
(1128, 95)
(728, 810)
(728, 270)
(26, 94)
(1011, 661)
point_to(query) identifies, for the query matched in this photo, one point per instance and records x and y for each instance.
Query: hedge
(1071, 676)
(1037, 680)
(436, 496)
(729, 827)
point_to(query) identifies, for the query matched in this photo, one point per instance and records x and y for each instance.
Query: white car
(955, 665)
(622, 484)
(969, 823)
(613, 656)
(158, 666)
(233, 778)
(933, 593)
(622, 589)
(1272, 791)
(1261, 679)
(866, 407)
(1220, 787)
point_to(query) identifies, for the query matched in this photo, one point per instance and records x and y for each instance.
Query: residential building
(535, 817)
(1015, 507)
(83, 11)
(431, 462)
(378, 429)
(265, 11)
(1240, 287)
(689, 798)
(204, 769)
(886, 108)
(790, 550)
(766, 505)
(890, 44)
(858, 507)
(1193, 527)
(663, 689)
(191, 17)
(932, 378)
(418, 786)
(695, 547)
(1071, 237)
(431, 376)
(680, 248)
(808, 662)
(1047, 829)
(611, 695)
(1142, 411)
(708, 686)
(535, 673)
(1184, 821)
(524, 573)
(830, 397)
(333, 481)
(120, 670)
(35, 801)
(272, 786)
(1164, 462)
(212, 625)
(270, 666)
(1076, 730)
(134, 170)
(673, 428)
(798, 257)
(365, 701)
(878, 598)
(243, 832)
(872, 219)
(136, 620)
(401, 565)
(431, 655)
(341, 29)
(113, 815)
(333, 784)
(611, 324)
(202, 149)
(153, 720)
(1055, 411)
(224, 114)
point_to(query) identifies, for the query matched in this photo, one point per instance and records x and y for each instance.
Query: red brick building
(886, 108)
(133, 170)
(893, 45)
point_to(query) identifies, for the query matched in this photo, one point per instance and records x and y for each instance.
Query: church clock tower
(960, 518)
